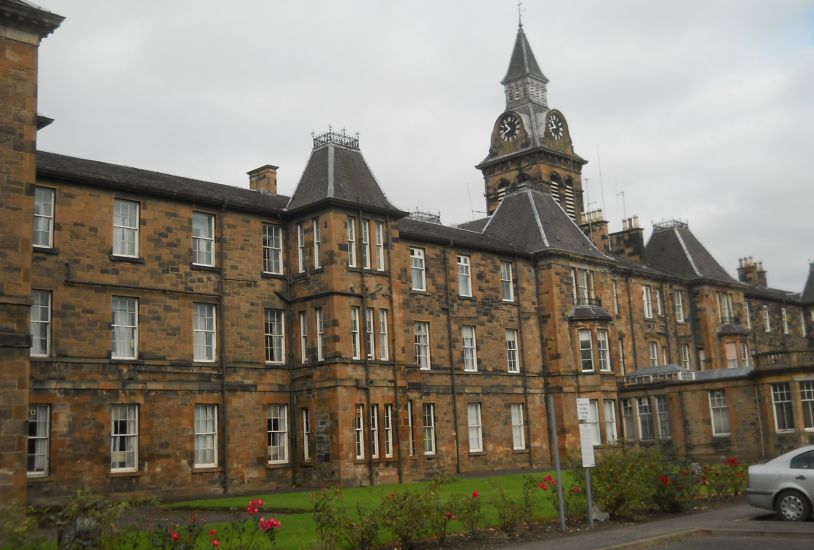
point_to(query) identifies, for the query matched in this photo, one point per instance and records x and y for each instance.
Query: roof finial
(520, 14)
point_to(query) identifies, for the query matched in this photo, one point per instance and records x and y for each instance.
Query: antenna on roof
(601, 183)
(624, 207)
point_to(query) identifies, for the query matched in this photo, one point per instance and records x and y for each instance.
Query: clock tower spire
(530, 142)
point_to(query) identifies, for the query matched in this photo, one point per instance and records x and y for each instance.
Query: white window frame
(518, 427)
(807, 401)
(125, 228)
(365, 242)
(679, 305)
(615, 292)
(374, 431)
(354, 331)
(351, 241)
(629, 419)
(644, 411)
(647, 302)
(507, 281)
(388, 431)
(744, 355)
(203, 239)
(475, 428)
(611, 434)
(603, 347)
(124, 328)
(204, 330)
(470, 348)
(593, 422)
(747, 313)
(782, 407)
(422, 344)
(303, 316)
(663, 417)
(206, 435)
(43, 215)
(653, 349)
(359, 432)
(622, 365)
(725, 310)
(429, 429)
(410, 433)
(384, 342)
(731, 355)
(306, 435)
(512, 351)
(585, 340)
(802, 323)
(124, 438)
(300, 248)
(684, 353)
(784, 318)
(317, 243)
(379, 246)
(41, 305)
(767, 324)
(418, 276)
(370, 333)
(319, 319)
(719, 413)
(659, 309)
(274, 330)
(272, 249)
(464, 276)
(39, 440)
(277, 433)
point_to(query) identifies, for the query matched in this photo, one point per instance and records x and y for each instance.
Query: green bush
(509, 512)
(405, 515)
(623, 482)
(467, 508)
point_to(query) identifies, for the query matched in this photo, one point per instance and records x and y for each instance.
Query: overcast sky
(699, 110)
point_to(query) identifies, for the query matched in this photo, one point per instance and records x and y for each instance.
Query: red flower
(575, 489)
(475, 494)
(543, 486)
(215, 543)
(664, 480)
(271, 523)
(251, 510)
(175, 536)
(732, 461)
(550, 479)
(451, 516)
(212, 532)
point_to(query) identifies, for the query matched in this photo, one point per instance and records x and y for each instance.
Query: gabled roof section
(808, 291)
(337, 173)
(522, 62)
(418, 230)
(115, 176)
(673, 248)
(532, 220)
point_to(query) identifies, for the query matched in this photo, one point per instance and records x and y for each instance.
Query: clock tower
(530, 142)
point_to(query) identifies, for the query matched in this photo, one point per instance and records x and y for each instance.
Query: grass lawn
(294, 508)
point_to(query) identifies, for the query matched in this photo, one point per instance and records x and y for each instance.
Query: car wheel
(793, 506)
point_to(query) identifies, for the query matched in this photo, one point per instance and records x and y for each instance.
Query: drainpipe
(448, 306)
(222, 323)
(523, 369)
(632, 324)
(391, 336)
(365, 360)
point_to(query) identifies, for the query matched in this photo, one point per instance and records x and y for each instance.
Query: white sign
(583, 409)
(586, 441)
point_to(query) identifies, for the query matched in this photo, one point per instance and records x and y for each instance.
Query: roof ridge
(687, 252)
(537, 219)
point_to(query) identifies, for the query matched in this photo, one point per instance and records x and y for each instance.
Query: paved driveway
(737, 526)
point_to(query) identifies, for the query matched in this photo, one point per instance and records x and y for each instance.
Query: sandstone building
(174, 336)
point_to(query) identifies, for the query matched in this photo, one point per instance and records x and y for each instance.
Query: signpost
(587, 447)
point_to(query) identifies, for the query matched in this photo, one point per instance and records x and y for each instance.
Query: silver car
(784, 484)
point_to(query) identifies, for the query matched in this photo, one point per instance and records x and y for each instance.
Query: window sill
(268, 275)
(277, 465)
(431, 457)
(46, 250)
(784, 432)
(38, 478)
(134, 473)
(722, 436)
(468, 298)
(201, 267)
(418, 291)
(126, 259)
(477, 453)
(520, 451)
(206, 469)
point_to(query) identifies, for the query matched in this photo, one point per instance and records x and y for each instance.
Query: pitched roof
(338, 173)
(534, 221)
(808, 291)
(522, 62)
(673, 248)
(115, 176)
(454, 236)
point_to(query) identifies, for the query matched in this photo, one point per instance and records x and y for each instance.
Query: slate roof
(808, 291)
(454, 236)
(125, 178)
(722, 374)
(673, 248)
(535, 222)
(339, 174)
(775, 294)
(474, 225)
(522, 62)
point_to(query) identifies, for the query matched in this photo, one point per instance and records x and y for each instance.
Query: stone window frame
(39, 440)
(359, 431)
(317, 244)
(719, 413)
(384, 342)
(204, 336)
(125, 233)
(356, 343)
(469, 346)
(603, 337)
(300, 248)
(388, 430)
(303, 319)
(203, 243)
(205, 434)
(306, 434)
(418, 268)
(518, 415)
(274, 335)
(512, 351)
(351, 237)
(430, 443)
(379, 245)
(647, 302)
(506, 281)
(277, 433)
(364, 241)
(374, 430)
(272, 248)
(474, 423)
(678, 302)
(653, 352)
(319, 320)
(123, 327)
(782, 408)
(583, 349)
(370, 333)
(124, 435)
(684, 355)
(49, 216)
(422, 344)
(464, 262)
(42, 302)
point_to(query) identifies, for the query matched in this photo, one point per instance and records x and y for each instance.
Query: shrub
(623, 481)
(335, 525)
(509, 512)
(405, 515)
(468, 510)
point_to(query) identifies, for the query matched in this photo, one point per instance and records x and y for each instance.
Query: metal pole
(588, 497)
(552, 431)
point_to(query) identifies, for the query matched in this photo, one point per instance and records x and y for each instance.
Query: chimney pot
(264, 179)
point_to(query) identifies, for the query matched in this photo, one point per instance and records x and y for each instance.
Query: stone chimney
(264, 179)
(752, 272)
(629, 242)
(595, 227)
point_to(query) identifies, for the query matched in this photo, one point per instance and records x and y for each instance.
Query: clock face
(556, 127)
(508, 128)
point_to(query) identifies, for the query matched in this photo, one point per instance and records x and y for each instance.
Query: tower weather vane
(520, 13)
